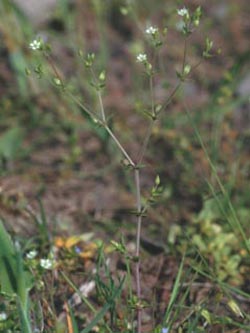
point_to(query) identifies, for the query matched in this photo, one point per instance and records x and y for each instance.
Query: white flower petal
(142, 57)
(151, 30)
(46, 263)
(35, 44)
(31, 255)
(183, 11)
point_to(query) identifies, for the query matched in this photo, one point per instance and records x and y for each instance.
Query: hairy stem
(99, 94)
(93, 116)
(146, 141)
(138, 244)
(119, 145)
(101, 106)
(152, 95)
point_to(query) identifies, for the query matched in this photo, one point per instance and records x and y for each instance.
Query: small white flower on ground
(36, 44)
(142, 57)
(46, 263)
(3, 316)
(151, 30)
(31, 255)
(183, 11)
(164, 330)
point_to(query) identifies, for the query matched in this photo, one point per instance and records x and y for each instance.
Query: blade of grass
(22, 290)
(81, 296)
(78, 292)
(105, 308)
(71, 320)
(7, 263)
(181, 302)
(236, 222)
(174, 293)
(24, 319)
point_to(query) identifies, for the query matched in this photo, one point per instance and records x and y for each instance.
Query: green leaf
(7, 263)
(18, 63)
(22, 290)
(10, 142)
(14, 280)
(73, 320)
(174, 293)
(24, 318)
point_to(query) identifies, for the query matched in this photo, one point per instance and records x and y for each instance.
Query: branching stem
(101, 119)
(119, 145)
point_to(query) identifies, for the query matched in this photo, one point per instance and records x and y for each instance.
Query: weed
(216, 237)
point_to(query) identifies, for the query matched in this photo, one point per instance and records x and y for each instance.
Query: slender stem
(99, 96)
(53, 66)
(119, 145)
(152, 95)
(184, 54)
(138, 196)
(150, 127)
(101, 106)
(137, 251)
(146, 140)
(138, 206)
(152, 123)
(138, 203)
(82, 106)
(76, 100)
(169, 98)
(107, 127)
(92, 115)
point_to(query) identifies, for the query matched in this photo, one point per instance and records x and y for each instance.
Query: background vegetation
(66, 197)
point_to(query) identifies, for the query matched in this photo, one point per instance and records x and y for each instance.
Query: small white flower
(36, 44)
(46, 263)
(183, 11)
(151, 30)
(3, 316)
(31, 255)
(142, 57)
(164, 330)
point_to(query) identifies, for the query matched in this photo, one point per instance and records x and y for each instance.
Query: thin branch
(138, 244)
(83, 107)
(152, 95)
(99, 95)
(169, 98)
(138, 206)
(101, 106)
(146, 141)
(53, 67)
(152, 122)
(93, 116)
(184, 54)
(119, 145)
